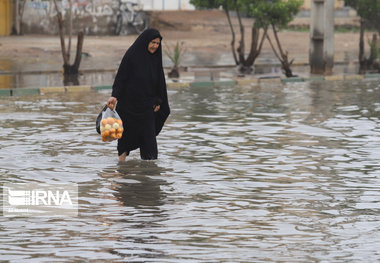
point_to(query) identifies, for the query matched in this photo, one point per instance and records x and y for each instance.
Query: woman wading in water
(139, 89)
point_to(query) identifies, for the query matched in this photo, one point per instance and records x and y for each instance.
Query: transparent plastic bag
(99, 119)
(110, 125)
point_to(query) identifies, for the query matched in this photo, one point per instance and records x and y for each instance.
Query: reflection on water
(270, 172)
(136, 184)
(37, 72)
(12, 81)
(137, 187)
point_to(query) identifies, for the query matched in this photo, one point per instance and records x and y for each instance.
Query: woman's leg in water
(122, 157)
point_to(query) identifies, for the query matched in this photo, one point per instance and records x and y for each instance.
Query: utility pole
(321, 57)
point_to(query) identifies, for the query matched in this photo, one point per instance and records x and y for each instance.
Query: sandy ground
(206, 32)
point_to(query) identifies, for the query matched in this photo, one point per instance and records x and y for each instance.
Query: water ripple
(284, 173)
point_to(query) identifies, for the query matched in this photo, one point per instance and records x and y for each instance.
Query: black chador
(139, 87)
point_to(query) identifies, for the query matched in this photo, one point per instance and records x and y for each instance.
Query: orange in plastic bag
(111, 126)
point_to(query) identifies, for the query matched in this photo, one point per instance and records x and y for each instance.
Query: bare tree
(266, 13)
(281, 55)
(69, 69)
(245, 63)
(19, 7)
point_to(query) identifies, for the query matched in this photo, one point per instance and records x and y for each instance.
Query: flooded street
(263, 173)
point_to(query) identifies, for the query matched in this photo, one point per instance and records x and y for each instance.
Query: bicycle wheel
(140, 22)
(119, 24)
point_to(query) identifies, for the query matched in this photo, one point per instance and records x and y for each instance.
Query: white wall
(167, 4)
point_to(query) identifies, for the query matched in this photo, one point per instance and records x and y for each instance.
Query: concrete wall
(92, 16)
(98, 17)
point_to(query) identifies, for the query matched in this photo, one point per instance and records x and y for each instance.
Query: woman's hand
(156, 108)
(111, 102)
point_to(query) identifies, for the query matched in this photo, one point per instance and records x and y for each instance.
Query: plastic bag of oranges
(111, 125)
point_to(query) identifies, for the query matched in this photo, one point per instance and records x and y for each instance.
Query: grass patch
(347, 30)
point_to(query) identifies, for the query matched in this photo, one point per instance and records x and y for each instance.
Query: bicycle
(130, 14)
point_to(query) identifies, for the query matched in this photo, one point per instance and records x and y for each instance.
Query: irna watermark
(35, 199)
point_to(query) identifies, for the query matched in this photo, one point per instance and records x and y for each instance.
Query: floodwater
(261, 173)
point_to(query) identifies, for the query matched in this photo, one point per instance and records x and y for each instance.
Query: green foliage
(207, 4)
(369, 10)
(265, 12)
(175, 54)
(275, 12)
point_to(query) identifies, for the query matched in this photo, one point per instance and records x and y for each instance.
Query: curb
(5, 92)
(78, 88)
(334, 78)
(52, 90)
(26, 91)
(176, 85)
(102, 87)
(352, 77)
(372, 76)
(194, 84)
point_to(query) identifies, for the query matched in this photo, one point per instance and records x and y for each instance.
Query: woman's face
(153, 45)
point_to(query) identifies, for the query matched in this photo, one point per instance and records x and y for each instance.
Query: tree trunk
(362, 59)
(67, 68)
(70, 29)
(241, 48)
(65, 57)
(16, 21)
(283, 57)
(74, 68)
(18, 14)
(21, 17)
(71, 72)
(78, 56)
(71, 80)
(255, 45)
(233, 35)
